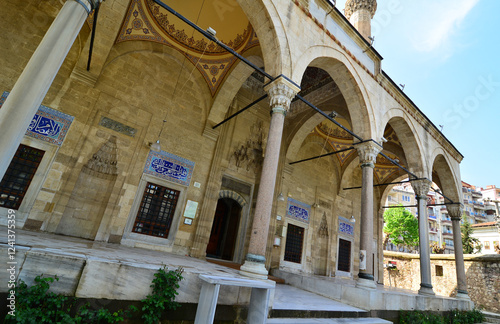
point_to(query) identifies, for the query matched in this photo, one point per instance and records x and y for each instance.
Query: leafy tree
(436, 249)
(401, 226)
(470, 244)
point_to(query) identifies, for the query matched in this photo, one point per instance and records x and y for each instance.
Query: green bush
(455, 317)
(417, 317)
(164, 286)
(463, 317)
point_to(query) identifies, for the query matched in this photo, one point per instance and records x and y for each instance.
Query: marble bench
(259, 298)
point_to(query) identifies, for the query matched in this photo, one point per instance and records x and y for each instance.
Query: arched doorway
(222, 242)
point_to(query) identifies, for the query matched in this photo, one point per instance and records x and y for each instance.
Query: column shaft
(421, 188)
(424, 247)
(455, 212)
(459, 256)
(258, 240)
(367, 153)
(281, 91)
(366, 226)
(36, 79)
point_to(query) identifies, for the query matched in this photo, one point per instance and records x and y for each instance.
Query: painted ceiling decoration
(147, 21)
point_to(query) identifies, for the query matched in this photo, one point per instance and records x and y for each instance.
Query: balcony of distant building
(445, 219)
(433, 230)
(447, 233)
(476, 194)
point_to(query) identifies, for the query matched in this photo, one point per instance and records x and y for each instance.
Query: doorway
(222, 242)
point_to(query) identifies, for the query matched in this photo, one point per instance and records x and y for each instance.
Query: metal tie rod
(214, 39)
(323, 155)
(385, 184)
(321, 112)
(240, 111)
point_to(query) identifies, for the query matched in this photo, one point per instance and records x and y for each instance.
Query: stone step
(359, 320)
(306, 313)
(491, 317)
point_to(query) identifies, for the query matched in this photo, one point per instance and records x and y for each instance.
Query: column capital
(281, 92)
(421, 187)
(367, 152)
(351, 6)
(455, 211)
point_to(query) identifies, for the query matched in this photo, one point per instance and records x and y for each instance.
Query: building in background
(476, 209)
(489, 235)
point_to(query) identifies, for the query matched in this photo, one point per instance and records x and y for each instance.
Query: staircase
(295, 306)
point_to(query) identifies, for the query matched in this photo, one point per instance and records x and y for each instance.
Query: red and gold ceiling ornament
(384, 170)
(147, 21)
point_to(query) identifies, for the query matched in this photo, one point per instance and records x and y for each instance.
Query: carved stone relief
(249, 155)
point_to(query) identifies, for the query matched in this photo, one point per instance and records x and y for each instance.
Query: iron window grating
(344, 263)
(156, 212)
(19, 175)
(294, 242)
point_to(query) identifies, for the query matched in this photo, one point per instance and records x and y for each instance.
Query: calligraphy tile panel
(169, 167)
(345, 226)
(47, 125)
(298, 210)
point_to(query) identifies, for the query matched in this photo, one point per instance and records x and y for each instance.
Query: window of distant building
(156, 211)
(294, 243)
(486, 245)
(18, 176)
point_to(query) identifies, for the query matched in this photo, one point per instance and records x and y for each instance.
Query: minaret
(360, 14)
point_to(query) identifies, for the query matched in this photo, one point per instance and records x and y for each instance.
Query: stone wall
(483, 276)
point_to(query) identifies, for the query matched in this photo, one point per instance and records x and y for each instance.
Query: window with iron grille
(294, 240)
(344, 260)
(18, 176)
(157, 210)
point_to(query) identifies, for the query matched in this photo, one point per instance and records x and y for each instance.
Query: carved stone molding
(323, 227)
(281, 92)
(105, 160)
(351, 6)
(421, 188)
(367, 153)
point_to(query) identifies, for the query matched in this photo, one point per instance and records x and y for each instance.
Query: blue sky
(447, 54)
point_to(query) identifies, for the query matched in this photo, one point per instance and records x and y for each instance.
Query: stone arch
(408, 136)
(343, 73)
(229, 88)
(445, 176)
(125, 50)
(271, 34)
(233, 195)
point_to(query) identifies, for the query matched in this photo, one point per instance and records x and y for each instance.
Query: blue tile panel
(169, 167)
(48, 125)
(298, 210)
(345, 226)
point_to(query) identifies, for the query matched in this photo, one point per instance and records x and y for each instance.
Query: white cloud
(439, 23)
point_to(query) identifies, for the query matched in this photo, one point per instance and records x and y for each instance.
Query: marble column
(421, 188)
(32, 86)
(367, 153)
(455, 212)
(281, 92)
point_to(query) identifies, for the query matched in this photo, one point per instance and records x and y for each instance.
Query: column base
(254, 269)
(366, 283)
(426, 290)
(462, 295)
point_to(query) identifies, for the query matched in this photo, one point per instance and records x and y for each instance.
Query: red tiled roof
(484, 224)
